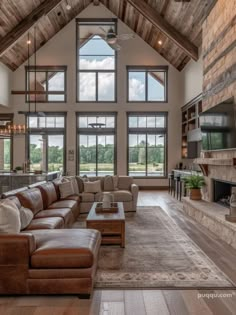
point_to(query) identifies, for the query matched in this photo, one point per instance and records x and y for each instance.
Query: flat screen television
(218, 127)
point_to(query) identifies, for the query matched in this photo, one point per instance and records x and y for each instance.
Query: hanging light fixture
(97, 124)
(9, 129)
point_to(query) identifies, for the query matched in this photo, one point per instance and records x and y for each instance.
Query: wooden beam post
(19, 30)
(158, 21)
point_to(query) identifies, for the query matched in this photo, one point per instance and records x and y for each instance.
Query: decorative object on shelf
(19, 169)
(232, 215)
(194, 183)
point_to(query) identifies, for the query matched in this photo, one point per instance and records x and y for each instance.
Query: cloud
(136, 89)
(87, 81)
(95, 64)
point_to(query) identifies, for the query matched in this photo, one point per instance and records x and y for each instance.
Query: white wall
(61, 50)
(192, 79)
(5, 85)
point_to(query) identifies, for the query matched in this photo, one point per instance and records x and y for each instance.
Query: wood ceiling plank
(24, 26)
(158, 21)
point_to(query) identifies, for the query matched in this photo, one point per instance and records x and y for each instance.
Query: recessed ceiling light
(68, 7)
(160, 42)
(28, 42)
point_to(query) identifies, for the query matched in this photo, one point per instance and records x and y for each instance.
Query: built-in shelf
(190, 122)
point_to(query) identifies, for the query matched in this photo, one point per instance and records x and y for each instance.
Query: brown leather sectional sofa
(47, 257)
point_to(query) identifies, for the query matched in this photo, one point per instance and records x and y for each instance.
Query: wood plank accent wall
(219, 54)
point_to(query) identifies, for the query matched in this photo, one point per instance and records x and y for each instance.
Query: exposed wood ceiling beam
(158, 21)
(96, 2)
(19, 30)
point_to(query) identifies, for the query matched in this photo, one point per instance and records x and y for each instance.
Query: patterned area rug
(157, 254)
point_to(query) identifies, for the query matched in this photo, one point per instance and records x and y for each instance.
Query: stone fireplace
(219, 170)
(222, 191)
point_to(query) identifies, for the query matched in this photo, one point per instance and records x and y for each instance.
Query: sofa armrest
(134, 191)
(16, 249)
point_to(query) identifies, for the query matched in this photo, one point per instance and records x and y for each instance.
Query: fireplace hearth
(222, 192)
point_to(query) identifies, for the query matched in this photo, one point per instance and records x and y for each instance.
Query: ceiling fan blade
(115, 46)
(125, 36)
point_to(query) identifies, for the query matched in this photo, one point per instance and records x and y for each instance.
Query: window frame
(10, 117)
(99, 22)
(87, 131)
(147, 69)
(46, 69)
(48, 132)
(147, 131)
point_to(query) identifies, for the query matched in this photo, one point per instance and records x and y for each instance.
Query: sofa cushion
(72, 248)
(7, 194)
(26, 216)
(96, 178)
(65, 213)
(49, 194)
(122, 195)
(108, 183)
(46, 223)
(73, 197)
(56, 182)
(66, 189)
(9, 217)
(72, 204)
(31, 199)
(87, 197)
(125, 182)
(80, 183)
(92, 187)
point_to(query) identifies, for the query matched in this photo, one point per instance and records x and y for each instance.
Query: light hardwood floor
(145, 302)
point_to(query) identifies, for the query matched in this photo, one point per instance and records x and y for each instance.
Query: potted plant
(19, 169)
(194, 183)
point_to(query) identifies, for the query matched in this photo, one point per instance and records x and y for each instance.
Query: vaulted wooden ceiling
(177, 24)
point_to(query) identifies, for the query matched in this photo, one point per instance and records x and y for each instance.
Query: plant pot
(195, 194)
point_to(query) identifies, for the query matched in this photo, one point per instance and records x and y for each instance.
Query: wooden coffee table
(111, 225)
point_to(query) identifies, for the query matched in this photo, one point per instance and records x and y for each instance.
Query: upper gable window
(147, 84)
(48, 82)
(96, 61)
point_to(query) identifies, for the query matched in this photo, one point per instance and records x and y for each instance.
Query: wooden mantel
(205, 162)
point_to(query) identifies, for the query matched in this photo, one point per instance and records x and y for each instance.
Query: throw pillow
(115, 181)
(26, 216)
(66, 189)
(80, 183)
(9, 217)
(92, 187)
(108, 183)
(74, 183)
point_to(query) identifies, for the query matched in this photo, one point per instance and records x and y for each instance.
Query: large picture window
(96, 61)
(147, 135)
(46, 142)
(48, 83)
(147, 84)
(96, 137)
